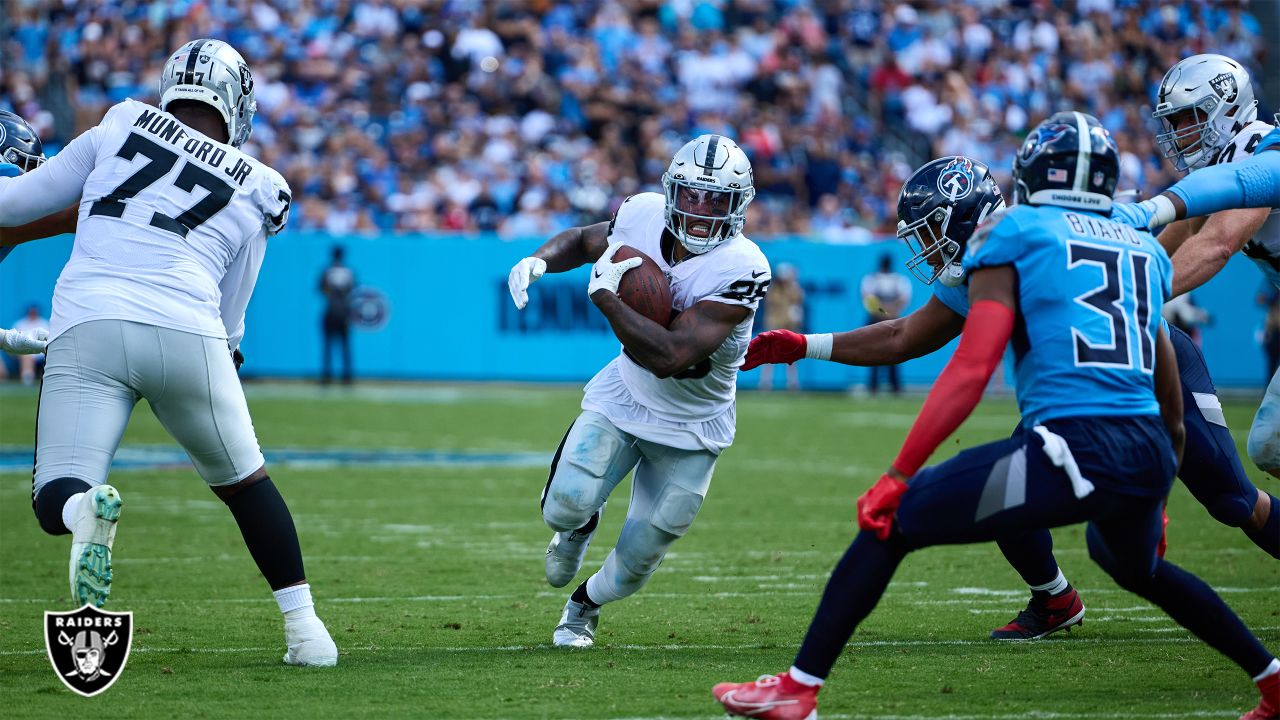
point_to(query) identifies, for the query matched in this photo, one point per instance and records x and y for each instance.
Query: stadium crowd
(525, 117)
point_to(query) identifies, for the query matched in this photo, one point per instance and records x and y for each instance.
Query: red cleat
(1044, 617)
(772, 697)
(1269, 706)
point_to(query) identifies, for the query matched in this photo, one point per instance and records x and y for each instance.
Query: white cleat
(566, 552)
(577, 628)
(93, 530)
(309, 643)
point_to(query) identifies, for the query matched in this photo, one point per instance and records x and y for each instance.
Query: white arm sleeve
(52, 186)
(237, 287)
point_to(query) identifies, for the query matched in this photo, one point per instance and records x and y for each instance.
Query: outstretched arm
(1206, 252)
(888, 342)
(565, 251)
(1253, 182)
(63, 221)
(956, 393)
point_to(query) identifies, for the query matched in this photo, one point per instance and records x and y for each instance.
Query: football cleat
(1269, 706)
(577, 628)
(309, 643)
(567, 550)
(771, 697)
(93, 530)
(1044, 617)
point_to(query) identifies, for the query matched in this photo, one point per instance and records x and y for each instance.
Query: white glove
(20, 343)
(606, 274)
(522, 276)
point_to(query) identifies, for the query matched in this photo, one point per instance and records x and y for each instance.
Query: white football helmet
(1204, 101)
(708, 187)
(212, 72)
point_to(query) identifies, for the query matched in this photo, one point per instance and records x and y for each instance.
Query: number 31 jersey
(172, 225)
(1090, 291)
(735, 272)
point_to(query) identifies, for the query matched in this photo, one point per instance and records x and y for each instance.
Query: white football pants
(666, 494)
(97, 371)
(1264, 435)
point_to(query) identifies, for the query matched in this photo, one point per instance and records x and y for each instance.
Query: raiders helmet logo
(246, 79)
(1225, 87)
(956, 179)
(88, 647)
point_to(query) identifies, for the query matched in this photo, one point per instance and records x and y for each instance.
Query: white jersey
(172, 225)
(1265, 248)
(698, 402)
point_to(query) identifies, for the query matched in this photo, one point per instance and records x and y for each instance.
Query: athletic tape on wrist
(818, 347)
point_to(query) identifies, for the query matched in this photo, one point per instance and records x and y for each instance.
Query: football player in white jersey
(665, 406)
(172, 227)
(1207, 107)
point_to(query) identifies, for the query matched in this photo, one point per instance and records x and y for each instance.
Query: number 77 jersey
(1090, 292)
(172, 225)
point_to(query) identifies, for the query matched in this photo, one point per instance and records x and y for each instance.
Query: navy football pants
(1010, 487)
(1211, 470)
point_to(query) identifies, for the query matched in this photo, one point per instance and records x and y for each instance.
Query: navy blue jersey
(1090, 292)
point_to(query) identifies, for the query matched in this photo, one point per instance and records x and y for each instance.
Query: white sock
(805, 678)
(1053, 587)
(69, 509)
(1272, 669)
(295, 601)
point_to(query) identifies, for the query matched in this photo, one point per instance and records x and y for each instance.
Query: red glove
(877, 505)
(775, 346)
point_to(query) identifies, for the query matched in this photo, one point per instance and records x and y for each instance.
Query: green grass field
(430, 578)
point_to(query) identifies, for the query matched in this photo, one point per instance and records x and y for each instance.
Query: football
(645, 289)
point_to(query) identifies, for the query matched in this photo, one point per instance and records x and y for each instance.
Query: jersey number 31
(1112, 299)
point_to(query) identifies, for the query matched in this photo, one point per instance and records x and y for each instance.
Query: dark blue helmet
(1068, 160)
(940, 206)
(19, 143)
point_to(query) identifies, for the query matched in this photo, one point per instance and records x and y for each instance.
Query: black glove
(237, 358)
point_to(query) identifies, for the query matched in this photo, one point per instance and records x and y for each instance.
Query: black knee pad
(49, 501)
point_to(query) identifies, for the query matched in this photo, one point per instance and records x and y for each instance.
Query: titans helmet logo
(956, 180)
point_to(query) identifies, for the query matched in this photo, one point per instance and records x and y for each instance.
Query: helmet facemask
(1194, 141)
(25, 161)
(703, 215)
(933, 254)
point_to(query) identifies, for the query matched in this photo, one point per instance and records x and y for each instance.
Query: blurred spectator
(1269, 299)
(31, 366)
(885, 294)
(1183, 313)
(402, 116)
(336, 284)
(783, 310)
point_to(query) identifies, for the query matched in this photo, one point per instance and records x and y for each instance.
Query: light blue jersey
(1090, 292)
(956, 298)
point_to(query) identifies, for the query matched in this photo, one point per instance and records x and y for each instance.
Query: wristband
(818, 347)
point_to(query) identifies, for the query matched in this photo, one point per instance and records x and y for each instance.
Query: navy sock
(855, 587)
(48, 503)
(580, 596)
(268, 531)
(1268, 538)
(1031, 555)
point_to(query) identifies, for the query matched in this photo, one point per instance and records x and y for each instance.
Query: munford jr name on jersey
(171, 131)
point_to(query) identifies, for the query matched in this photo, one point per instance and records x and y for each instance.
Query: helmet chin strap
(952, 275)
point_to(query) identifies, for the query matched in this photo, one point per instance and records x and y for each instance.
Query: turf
(430, 578)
